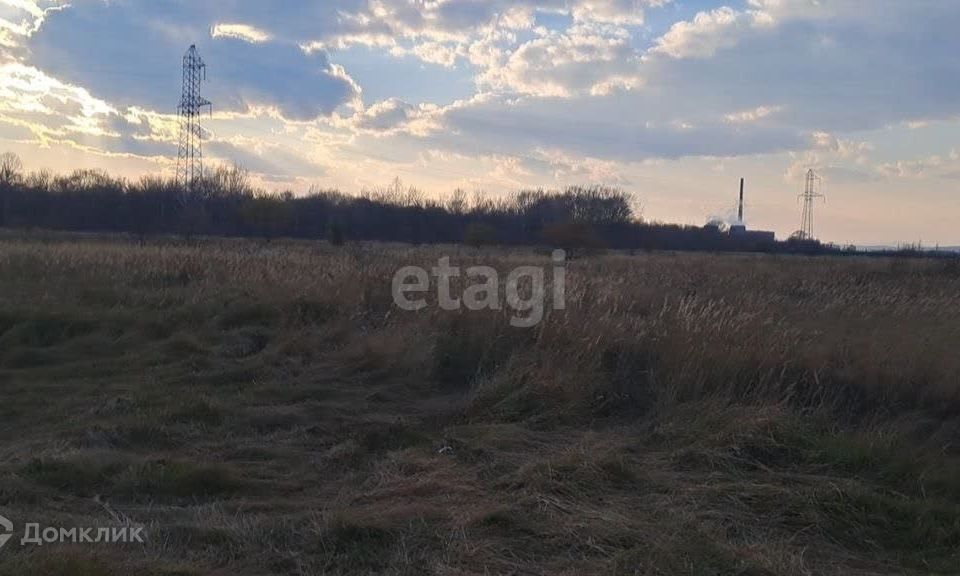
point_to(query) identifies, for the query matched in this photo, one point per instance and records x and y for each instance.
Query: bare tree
(457, 203)
(10, 168)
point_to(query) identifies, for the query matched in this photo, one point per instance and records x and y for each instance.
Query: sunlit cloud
(47, 106)
(751, 116)
(243, 32)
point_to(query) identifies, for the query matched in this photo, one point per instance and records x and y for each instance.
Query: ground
(264, 408)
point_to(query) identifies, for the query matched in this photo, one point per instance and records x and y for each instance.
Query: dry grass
(264, 409)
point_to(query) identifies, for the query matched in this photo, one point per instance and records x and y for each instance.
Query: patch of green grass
(179, 571)
(244, 343)
(384, 544)
(269, 421)
(920, 533)
(253, 454)
(360, 547)
(182, 346)
(27, 358)
(466, 351)
(855, 453)
(381, 438)
(306, 312)
(83, 476)
(687, 554)
(45, 332)
(236, 377)
(144, 436)
(508, 522)
(200, 412)
(245, 315)
(163, 479)
(197, 538)
(87, 476)
(618, 470)
(158, 329)
(888, 460)
(59, 563)
(507, 399)
(7, 321)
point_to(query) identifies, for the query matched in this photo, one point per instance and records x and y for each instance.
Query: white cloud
(49, 108)
(246, 69)
(392, 117)
(439, 32)
(441, 53)
(630, 12)
(833, 156)
(910, 168)
(615, 84)
(703, 36)
(571, 169)
(752, 115)
(722, 28)
(20, 19)
(581, 60)
(243, 32)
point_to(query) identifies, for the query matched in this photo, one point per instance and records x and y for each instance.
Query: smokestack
(740, 220)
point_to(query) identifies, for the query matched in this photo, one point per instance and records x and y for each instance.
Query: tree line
(225, 203)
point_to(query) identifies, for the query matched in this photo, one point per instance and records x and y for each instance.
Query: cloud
(443, 32)
(394, 116)
(272, 161)
(128, 53)
(630, 12)
(581, 60)
(752, 115)
(49, 108)
(243, 32)
(607, 128)
(828, 65)
(704, 35)
(20, 19)
(577, 168)
(444, 54)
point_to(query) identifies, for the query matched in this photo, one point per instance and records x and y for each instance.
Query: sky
(672, 101)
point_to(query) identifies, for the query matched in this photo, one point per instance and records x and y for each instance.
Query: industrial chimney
(739, 228)
(740, 214)
(752, 238)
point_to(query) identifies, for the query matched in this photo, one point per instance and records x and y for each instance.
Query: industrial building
(738, 230)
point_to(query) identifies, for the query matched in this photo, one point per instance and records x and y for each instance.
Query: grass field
(265, 409)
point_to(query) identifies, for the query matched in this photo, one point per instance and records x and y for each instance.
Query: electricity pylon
(810, 195)
(192, 104)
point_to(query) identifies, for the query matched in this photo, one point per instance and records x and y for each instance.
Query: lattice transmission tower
(192, 104)
(810, 195)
